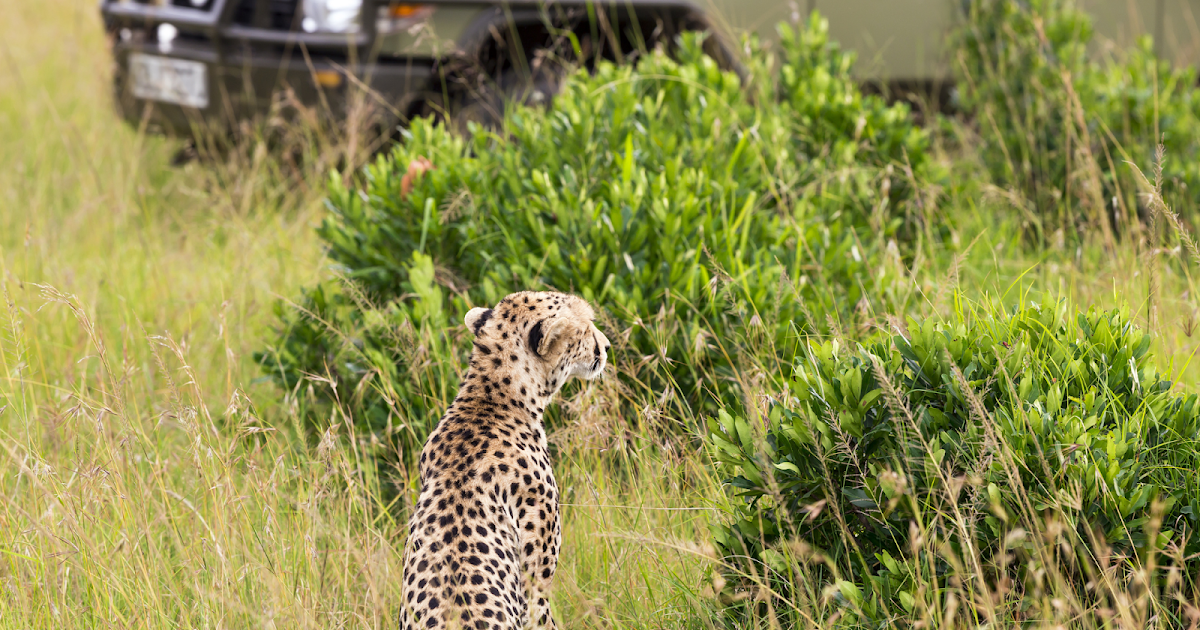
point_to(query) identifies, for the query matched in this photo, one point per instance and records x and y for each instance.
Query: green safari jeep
(187, 63)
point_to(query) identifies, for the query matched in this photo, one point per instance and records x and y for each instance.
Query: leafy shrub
(391, 368)
(1060, 126)
(960, 433)
(708, 222)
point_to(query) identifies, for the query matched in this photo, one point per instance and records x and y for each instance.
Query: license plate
(169, 80)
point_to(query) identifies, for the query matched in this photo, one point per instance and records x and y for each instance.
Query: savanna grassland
(152, 481)
(153, 477)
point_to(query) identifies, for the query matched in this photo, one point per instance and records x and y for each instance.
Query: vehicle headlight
(331, 16)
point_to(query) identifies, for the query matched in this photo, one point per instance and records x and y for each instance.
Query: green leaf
(850, 591)
(860, 499)
(627, 161)
(789, 466)
(775, 560)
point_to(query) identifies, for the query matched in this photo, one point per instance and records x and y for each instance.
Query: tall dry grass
(150, 478)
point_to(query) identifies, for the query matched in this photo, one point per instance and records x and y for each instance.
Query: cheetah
(485, 532)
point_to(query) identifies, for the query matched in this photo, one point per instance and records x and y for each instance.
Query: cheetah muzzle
(484, 536)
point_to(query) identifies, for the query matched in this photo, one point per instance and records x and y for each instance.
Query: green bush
(971, 428)
(710, 223)
(1060, 126)
(391, 368)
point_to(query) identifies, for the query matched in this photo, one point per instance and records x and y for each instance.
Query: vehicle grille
(273, 14)
(199, 5)
(187, 4)
(183, 4)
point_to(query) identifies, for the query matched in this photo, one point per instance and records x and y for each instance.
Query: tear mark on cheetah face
(484, 536)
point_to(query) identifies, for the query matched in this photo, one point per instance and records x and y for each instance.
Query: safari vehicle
(183, 63)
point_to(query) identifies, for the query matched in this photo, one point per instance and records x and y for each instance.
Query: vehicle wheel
(485, 102)
(487, 107)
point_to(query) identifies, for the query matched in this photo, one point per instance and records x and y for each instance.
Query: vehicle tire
(484, 100)
(487, 106)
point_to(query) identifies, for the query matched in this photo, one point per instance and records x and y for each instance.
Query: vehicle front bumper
(245, 84)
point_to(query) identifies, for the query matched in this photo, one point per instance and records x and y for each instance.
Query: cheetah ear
(476, 318)
(544, 333)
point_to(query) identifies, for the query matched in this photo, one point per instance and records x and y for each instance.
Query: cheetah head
(555, 333)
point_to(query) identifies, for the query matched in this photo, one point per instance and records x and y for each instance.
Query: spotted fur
(484, 536)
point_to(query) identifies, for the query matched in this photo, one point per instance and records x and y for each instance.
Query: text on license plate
(169, 80)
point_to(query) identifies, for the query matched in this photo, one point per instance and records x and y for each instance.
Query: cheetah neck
(512, 389)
